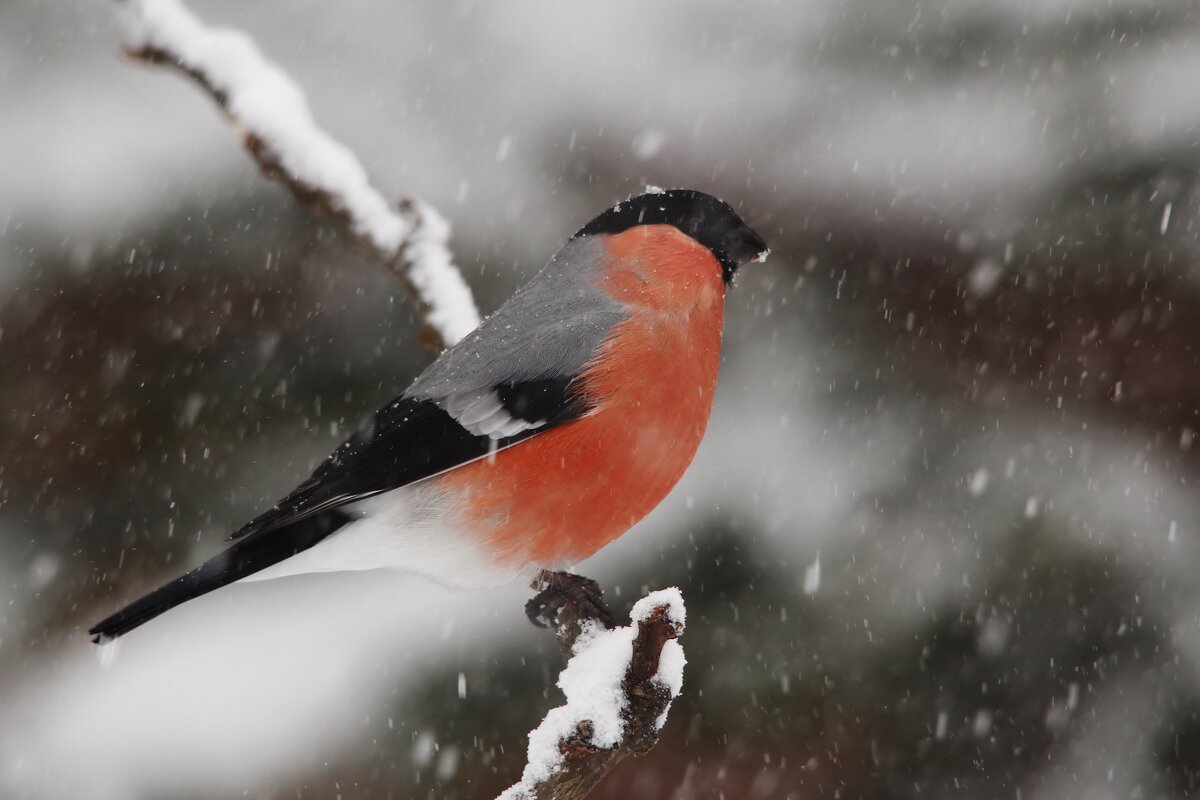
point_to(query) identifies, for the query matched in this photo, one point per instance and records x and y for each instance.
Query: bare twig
(272, 115)
(619, 685)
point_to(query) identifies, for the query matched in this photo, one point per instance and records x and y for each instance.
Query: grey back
(551, 328)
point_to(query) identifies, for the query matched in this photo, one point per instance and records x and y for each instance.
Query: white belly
(407, 528)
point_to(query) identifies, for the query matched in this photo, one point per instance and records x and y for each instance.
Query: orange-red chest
(560, 496)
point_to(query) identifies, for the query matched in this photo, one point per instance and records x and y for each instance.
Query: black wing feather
(546, 400)
(409, 440)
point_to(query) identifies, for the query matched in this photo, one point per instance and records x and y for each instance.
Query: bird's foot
(564, 594)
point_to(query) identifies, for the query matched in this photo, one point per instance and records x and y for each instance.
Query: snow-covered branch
(271, 113)
(619, 685)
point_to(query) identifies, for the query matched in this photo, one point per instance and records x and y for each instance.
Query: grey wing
(545, 334)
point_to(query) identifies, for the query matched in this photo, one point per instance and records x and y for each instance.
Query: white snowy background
(941, 537)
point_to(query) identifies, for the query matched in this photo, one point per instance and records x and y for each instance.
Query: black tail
(248, 556)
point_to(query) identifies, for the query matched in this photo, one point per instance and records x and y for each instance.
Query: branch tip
(272, 114)
(619, 684)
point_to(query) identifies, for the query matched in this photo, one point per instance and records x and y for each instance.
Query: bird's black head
(709, 221)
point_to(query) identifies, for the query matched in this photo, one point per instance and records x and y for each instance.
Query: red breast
(561, 496)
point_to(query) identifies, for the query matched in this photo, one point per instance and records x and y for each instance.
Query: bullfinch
(547, 432)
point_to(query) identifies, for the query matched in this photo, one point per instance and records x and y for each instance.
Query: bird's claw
(557, 590)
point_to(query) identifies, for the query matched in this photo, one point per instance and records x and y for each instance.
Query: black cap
(711, 222)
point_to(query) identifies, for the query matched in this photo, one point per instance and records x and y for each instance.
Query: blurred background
(942, 537)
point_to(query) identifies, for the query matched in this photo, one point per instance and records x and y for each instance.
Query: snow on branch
(271, 112)
(619, 685)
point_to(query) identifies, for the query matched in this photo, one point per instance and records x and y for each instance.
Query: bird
(540, 437)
